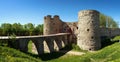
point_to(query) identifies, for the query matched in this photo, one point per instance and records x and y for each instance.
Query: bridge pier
(64, 39)
(39, 45)
(50, 43)
(58, 42)
(23, 44)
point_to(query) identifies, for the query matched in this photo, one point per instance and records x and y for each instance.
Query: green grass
(117, 38)
(30, 46)
(109, 53)
(73, 47)
(11, 55)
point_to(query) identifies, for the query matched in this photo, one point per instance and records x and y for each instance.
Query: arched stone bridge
(22, 41)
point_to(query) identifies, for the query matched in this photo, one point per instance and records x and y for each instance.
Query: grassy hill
(12, 55)
(107, 54)
(110, 53)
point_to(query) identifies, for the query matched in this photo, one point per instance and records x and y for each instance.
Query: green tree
(17, 29)
(39, 29)
(6, 29)
(107, 21)
(1, 31)
(20, 30)
(29, 27)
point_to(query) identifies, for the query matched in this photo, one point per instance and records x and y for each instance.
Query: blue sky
(33, 11)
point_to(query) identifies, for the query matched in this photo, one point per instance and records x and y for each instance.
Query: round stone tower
(88, 30)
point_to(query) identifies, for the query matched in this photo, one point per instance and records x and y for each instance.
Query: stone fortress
(86, 33)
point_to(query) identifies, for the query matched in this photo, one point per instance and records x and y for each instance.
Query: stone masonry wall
(71, 27)
(88, 27)
(55, 25)
(52, 25)
(86, 33)
(109, 32)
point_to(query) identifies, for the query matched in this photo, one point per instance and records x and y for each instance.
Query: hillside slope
(107, 54)
(11, 55)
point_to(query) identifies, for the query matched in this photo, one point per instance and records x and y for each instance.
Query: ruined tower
(52, 25)
(88, 30)
(47, 24)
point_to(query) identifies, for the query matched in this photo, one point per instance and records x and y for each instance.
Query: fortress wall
(55, 25)
(115, 32)
(110, 32)
(86, 33)
(71, 27)
(104, 32)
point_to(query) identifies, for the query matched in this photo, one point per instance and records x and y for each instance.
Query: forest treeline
(7, 29)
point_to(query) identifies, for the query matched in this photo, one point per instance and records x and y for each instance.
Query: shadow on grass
(54, 55)
(107, 41)
(51, 56)
(47, 56)
(74, 47)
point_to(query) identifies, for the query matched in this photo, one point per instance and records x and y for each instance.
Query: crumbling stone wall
(71, 27)
(55, 25)
(52, 25)
(88, 30)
